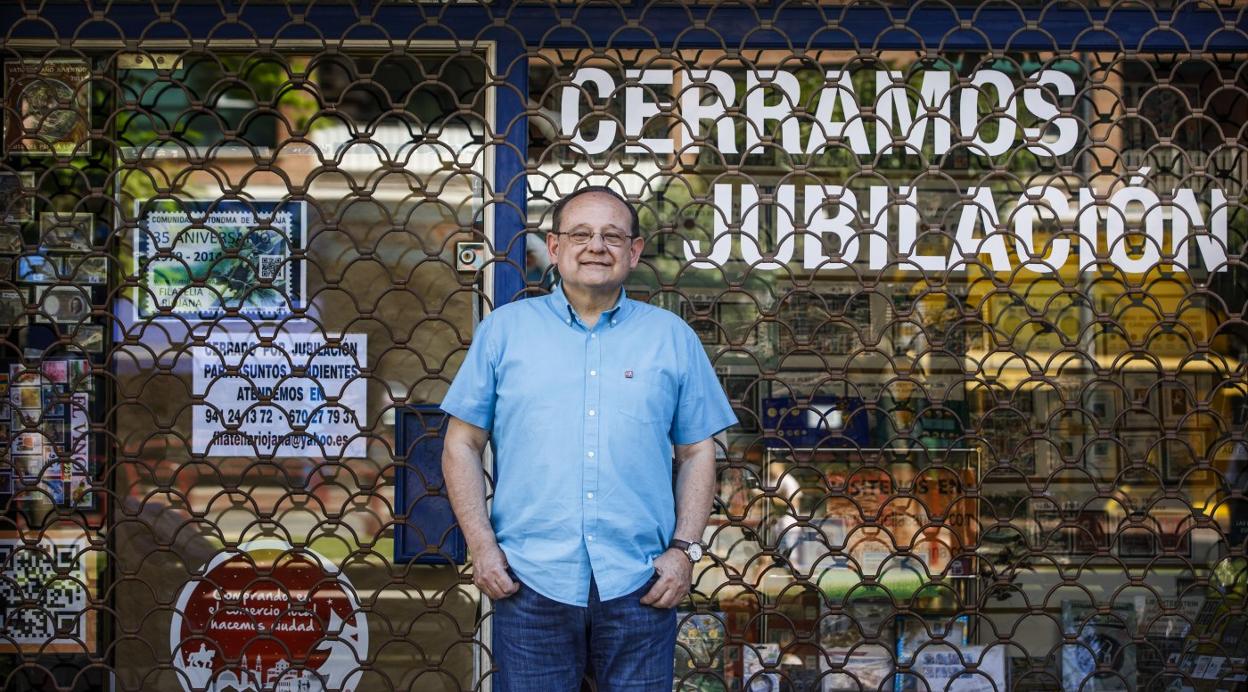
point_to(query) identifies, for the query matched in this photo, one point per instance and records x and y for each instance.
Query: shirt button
(612, 323)
(593, 373)
(589, 454)
(589, 495)
(591, 412)
(593, 336)
(590, 537)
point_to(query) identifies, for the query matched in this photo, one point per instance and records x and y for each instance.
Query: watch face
(695, 551)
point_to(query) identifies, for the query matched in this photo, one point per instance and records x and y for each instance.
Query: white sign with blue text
(299, 395)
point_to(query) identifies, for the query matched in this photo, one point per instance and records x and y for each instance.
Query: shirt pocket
(643, 398)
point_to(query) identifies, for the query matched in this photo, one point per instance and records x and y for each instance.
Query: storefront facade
(972, 276)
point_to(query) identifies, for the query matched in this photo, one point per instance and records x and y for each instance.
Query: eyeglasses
(582, 237)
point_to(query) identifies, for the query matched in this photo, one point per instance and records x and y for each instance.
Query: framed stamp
(801, 314)
(741, 323)
(57, 433)
(1101, 459)
(17, 197)
(56, 371)
(1140, 408)
(1071, 534)
(10, 239)
(25, 396)
(1181, 455)
(1045, 532)
(1174, 529)
(1100, 403)
(1174, 404)
(745, 388)
(1090, 532)
(88, 337)
(702, 316)
(196, 259)
(905, 322)
(66, 232)
(27, 444)
(37, 269)
(83, 269)
(62, 304)
(53, 400)
(848, 316)
(47, 107)
(12, 306)
(1137, 543)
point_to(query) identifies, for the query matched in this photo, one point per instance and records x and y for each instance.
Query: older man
(583, 393)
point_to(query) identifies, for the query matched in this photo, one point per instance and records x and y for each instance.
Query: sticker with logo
(265, 616)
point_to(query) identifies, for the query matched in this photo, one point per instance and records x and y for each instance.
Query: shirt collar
(565, 311)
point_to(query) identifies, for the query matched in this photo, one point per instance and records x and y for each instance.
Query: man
(583, 393)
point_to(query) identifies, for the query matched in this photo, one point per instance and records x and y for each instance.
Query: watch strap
(685, 546)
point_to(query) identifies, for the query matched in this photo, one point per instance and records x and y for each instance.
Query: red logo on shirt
(628, 374)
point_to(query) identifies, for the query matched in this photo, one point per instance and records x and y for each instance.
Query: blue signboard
(824, 422)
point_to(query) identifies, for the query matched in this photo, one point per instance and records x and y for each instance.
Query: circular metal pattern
(973, 277)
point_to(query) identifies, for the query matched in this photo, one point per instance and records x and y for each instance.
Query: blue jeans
(542, 645)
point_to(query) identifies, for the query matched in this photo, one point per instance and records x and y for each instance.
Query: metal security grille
(973, 278)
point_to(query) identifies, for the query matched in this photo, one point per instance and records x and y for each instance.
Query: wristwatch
(693, 551)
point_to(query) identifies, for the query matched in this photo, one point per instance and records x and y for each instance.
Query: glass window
(963, 398)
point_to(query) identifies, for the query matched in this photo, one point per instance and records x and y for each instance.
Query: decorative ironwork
(973, 277)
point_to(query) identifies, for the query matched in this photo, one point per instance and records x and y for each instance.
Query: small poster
(944, 668)
(759, 670)
(45, 593)
(47, 108)
(866, 667)
(266, 408)
(49, 434)
(1105, 653)
(265, 616)
(699, 665)
(198, 259)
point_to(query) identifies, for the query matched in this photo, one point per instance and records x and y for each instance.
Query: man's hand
(489, 573)
(675, 578)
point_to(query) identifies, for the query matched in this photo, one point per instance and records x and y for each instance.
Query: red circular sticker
(268, 617)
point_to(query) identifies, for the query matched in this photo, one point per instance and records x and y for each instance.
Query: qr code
(270, 266)
(42, 593)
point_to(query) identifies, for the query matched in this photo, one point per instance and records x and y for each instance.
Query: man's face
(595, 265)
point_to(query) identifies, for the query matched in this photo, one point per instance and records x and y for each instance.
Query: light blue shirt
(582, 424)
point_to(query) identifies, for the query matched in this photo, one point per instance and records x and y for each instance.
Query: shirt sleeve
(702, 408)
(473, 393)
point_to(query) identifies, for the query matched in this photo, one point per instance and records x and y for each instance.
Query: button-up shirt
(582, 424)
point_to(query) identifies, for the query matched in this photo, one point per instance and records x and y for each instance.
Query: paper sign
(300, 397)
